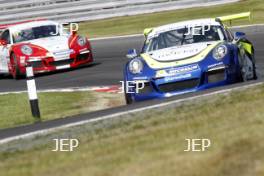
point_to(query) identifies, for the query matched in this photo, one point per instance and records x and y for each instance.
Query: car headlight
(81, 41)
(220, 52)
(136, 66)
(26, 49)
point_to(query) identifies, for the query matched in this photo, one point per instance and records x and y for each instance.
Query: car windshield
(35, 33)
(183, 36)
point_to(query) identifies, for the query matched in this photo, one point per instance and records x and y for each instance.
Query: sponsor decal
(65, 52)
(215, 65)
(178, 53)
(174, 78)
(178, 70)
(140, 78)
(182, 69)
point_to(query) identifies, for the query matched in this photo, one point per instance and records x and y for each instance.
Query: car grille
(62, 62)
(36, 64)
(147, 88)
(82, 57)
(178, 86)
(216, 76)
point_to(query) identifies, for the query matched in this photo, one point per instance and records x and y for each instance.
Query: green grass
(15, 108)
(152, 143)
(136, 24)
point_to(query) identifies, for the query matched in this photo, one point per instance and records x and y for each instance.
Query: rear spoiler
(221, 19)
(147, 31)
(230, 18)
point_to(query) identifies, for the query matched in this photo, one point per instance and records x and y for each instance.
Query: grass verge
(136, 24)
(153, 143)
(15, 108)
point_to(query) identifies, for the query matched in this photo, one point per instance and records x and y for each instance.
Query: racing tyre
(247, 69)
(14, 67)
(254, 69)
(129, 100)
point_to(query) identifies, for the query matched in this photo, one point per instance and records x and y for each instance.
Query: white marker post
(32, 91)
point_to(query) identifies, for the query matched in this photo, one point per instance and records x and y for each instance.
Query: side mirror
(239, 35)
(132, 53)
(3, 43)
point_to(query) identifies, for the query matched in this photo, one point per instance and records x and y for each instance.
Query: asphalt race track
(110, 58)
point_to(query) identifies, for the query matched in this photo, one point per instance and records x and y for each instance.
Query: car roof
(182, 24)
(31, 24)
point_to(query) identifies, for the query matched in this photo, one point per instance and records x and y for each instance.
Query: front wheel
(247, 69)
(129, 100)
(15, 71)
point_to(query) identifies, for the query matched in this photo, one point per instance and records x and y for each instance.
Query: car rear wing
(221, 19)
(230, 18)
(147, 31)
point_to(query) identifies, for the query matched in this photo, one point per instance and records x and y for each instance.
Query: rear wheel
(254, 68)
(15, 71)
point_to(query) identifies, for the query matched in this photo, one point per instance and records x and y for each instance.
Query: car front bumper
(49, 64)
(200, 80)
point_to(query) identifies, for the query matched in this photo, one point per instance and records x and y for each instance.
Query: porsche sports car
(42, 43)
(188, 56)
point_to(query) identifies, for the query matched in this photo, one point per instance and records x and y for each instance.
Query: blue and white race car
(188, 56)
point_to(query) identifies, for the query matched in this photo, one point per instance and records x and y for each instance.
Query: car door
(4, 52)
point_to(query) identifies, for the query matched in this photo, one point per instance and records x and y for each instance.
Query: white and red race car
(44, 45)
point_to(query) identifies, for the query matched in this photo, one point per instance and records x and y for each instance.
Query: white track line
(115, 115)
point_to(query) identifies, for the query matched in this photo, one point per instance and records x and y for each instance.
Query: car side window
(6, 36)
